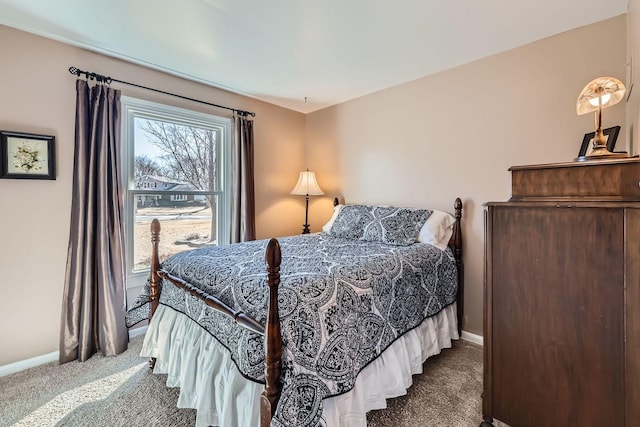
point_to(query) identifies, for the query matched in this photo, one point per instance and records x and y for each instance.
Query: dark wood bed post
(154, 278)
(273, 352)
(456, 243)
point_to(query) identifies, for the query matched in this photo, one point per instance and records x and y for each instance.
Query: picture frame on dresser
(27, 156)
(611, 134)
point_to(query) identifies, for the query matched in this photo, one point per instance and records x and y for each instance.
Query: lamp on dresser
(307, 186)
(599, 94)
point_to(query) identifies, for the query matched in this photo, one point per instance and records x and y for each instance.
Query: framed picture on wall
(610, 134)
(27, 156)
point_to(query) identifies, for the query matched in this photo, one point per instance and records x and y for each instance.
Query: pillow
(394, 226)
(437, 230)
(328, 225)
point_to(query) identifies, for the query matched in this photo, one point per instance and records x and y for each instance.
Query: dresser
(562, 297)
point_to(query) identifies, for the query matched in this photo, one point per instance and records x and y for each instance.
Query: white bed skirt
(210, 382)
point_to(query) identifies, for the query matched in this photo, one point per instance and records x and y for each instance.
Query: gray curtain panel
(243, 209)
(94, 304)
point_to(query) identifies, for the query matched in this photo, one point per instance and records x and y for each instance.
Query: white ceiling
(283, 51)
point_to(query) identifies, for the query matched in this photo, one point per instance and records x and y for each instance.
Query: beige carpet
(121, 391)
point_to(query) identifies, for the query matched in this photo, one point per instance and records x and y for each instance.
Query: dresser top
(634, 159)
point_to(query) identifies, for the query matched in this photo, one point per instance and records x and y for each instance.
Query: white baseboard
(476, 339)
(21, 365)
(137, 331)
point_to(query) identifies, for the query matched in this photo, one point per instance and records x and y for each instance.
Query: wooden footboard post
(457, 252)
(273, 341)
(154, 278)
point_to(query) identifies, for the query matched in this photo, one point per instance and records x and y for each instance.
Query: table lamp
(600, 93)
(307, 186)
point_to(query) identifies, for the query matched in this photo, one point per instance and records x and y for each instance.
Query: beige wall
(37, 94)
(456, 133)
(419, 144)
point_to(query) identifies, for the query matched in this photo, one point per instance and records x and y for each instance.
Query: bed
(339, 322)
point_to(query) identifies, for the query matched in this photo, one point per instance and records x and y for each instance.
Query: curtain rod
(106, 79)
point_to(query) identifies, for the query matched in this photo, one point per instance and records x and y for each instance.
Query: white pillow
(328, 225)
(437, 230)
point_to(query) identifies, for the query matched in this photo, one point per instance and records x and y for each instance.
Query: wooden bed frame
(273, 344)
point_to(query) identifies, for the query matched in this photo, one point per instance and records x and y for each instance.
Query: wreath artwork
(27, 159)
(27, 156)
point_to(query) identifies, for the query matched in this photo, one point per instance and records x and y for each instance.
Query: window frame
(133, 108)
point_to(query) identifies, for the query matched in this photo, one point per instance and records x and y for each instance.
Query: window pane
(176, 157)
(186, 222)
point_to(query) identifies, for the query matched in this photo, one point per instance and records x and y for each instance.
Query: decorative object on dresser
(600, 93)
(27, 156)
(562, 297)
(610, 135)
(307, 186)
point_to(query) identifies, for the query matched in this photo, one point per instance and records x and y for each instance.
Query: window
(176, 169)
(178, 197)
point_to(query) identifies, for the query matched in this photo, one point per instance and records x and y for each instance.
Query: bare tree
(189, 154)
(144, 165)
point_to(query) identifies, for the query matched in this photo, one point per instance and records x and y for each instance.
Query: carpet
(121, 391)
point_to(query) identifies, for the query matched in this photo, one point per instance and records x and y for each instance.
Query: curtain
(94, 304)
(243, 209)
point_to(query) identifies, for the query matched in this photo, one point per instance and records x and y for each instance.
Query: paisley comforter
(342, 303)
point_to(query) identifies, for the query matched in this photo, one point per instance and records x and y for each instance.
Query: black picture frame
(27, 155)
(610, 133)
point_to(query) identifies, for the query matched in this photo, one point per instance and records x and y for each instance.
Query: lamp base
(599, 153)
(306, 230)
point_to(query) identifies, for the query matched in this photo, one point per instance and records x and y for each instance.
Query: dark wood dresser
(562, 297)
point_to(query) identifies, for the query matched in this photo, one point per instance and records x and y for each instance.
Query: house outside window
(176, 169)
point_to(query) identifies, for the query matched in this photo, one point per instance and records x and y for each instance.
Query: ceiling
(301, 54)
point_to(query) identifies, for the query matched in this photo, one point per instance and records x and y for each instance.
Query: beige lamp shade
(307, 185)
(609, 89)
